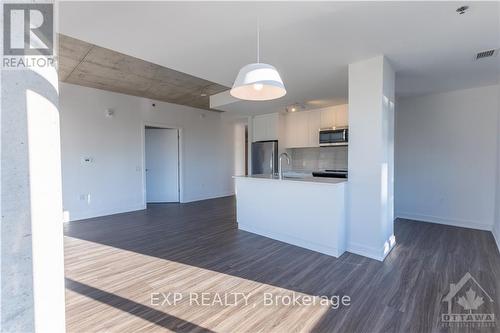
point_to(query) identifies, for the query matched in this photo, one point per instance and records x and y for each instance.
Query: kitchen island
(303, 211)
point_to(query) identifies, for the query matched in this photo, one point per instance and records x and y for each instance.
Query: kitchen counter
(299, 178)
(304, 211)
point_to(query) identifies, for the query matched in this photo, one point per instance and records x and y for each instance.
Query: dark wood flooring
(115, 263)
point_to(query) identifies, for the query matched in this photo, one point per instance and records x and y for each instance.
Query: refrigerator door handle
(272, 163)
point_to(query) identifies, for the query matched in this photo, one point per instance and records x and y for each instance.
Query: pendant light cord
(258, 40)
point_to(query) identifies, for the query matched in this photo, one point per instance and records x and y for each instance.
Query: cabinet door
(265, 127)
(272, 126)
(327, 118)
(314, 124)
(302, 129)
(259, 128)
(336, 116)
(290, 130)
(293, 130)
(297, 130)
(341, 116)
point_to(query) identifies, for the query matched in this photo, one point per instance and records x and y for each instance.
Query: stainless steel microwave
(334, 136)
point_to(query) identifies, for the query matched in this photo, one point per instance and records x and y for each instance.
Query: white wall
(446, 157)
(115, 178)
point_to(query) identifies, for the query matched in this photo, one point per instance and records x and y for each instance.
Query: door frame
(180, 157)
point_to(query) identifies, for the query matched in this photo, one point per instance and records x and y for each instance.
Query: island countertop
(307, 179)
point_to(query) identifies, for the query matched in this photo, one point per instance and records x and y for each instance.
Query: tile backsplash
(318, 158)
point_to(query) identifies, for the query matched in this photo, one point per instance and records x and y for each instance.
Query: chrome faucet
(280, 164)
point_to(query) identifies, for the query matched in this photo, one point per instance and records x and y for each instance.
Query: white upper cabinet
(302, 128)
(298, 129)
(327, 118)
(297, 133)
(342, 116)
(259, 128)
(266, 127)
(334, 117)
(314, 124)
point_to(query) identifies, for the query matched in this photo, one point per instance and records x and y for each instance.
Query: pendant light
(258, 81)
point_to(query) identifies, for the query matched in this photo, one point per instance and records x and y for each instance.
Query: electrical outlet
(87, 160)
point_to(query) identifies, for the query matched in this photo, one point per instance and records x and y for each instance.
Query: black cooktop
(330, 173)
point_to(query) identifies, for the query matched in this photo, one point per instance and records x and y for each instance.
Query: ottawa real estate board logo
(28, 35)
(468, 305)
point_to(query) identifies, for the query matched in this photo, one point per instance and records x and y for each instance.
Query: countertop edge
(296, 181)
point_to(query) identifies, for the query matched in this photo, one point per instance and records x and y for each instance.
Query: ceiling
(430, 46)
(93, 66)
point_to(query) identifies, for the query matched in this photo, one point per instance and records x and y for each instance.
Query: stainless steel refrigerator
(264, 157)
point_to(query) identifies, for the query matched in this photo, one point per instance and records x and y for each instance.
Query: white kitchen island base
(309, 213)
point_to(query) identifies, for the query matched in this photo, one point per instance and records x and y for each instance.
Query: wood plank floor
(115, 264)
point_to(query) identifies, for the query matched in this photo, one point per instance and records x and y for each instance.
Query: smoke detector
(109, 113)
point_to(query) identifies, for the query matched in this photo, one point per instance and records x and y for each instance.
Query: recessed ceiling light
(462, 10)
(295, 107)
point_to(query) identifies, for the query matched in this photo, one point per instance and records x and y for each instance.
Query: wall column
(371, 158)
(32, 261)
(496, 223)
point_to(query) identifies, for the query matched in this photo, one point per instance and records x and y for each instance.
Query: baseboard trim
(207, 197)
(328, 250)
(372, 252)
(445, 221)
(78, 216)
(89, 215)
(496, 237)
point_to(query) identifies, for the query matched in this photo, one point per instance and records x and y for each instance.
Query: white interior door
(162, 165)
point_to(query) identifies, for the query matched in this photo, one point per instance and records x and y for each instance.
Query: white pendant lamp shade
(258, 82)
